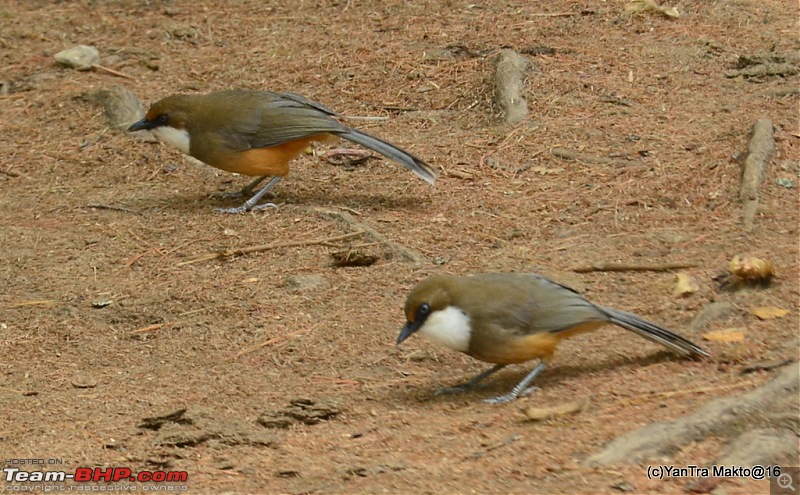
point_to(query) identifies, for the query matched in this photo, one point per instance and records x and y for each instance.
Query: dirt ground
(285, 363)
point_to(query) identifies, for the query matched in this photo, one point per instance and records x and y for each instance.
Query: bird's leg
(246, 190)
(252, 203)
(466, 386)
(521, 388)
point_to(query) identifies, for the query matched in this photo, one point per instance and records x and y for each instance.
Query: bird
(510, 318)
(257, 133)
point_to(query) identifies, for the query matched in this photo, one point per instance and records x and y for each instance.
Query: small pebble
(79, 57)
(82, 380)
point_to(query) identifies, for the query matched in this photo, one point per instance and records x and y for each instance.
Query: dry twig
(229, 253)
(43, 302)
(766, 365)
(400, 250)
(759, 152)
(666, 394)
(112, 71)
(99, 206)
(604, 266)
(577, 156)
(553, 14)
(275, 339)
(480, 453)
(151, 328)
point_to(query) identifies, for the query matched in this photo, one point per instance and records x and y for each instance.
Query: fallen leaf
(685, 285)
(726, 335)
(542, 413)
(637, 6)
(670, 12)
(751, 269)
(768, 312)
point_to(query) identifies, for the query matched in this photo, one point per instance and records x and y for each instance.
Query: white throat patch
(179, 138)
(449, 327)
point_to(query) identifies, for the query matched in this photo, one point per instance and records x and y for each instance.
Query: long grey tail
(411, 162)
(654, 332)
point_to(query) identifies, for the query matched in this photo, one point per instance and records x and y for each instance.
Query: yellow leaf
(651, 6)
(542, 413)
(768, 312)
(671, 12)
(727, 335)
(684, 285)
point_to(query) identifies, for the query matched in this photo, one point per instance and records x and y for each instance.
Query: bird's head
(167, 119)
(429, 307)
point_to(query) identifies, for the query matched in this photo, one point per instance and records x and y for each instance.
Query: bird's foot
(264, 206)
(244, 192)
(245, 209)
(513, 395)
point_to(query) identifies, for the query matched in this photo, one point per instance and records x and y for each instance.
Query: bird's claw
(264, 206)
(501, 399)
(513, 395)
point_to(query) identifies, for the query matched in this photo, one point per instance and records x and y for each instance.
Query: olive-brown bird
(257, 133)
(514, 318)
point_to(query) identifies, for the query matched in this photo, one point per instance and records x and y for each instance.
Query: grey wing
(541, 306)
(287, 117)
(294, 98)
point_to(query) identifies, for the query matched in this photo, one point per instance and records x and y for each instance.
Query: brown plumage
(257, 133)
(513, 318)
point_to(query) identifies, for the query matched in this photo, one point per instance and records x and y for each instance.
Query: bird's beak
(408, 330)
(141, 125)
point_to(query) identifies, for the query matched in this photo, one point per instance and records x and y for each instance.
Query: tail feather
(653, 332)
(411, 162)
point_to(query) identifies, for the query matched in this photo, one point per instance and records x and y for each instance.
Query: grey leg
(520, 388)
(464, 387)
(252, 203)
(246, 190)
(249, 187)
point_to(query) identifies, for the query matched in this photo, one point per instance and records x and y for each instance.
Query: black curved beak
(409, 329)
(142, 125)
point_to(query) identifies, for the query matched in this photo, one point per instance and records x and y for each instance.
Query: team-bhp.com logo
(96, 475)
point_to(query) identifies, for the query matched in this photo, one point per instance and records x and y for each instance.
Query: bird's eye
(423, 311)
(162, 118)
